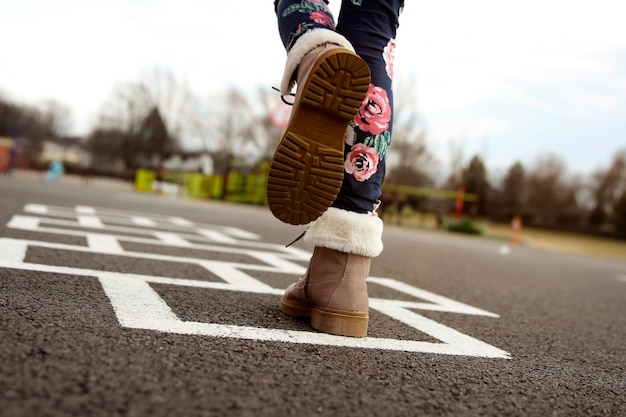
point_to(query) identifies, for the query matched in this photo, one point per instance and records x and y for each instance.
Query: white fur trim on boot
(346, 231)
(305, 44)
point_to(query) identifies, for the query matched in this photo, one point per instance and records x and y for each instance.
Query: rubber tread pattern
(307, 170)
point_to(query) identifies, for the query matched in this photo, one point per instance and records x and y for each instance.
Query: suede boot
(333, 292)
(307, 167)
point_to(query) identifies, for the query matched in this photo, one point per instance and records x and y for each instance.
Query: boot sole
(307, 167)
(328, 320)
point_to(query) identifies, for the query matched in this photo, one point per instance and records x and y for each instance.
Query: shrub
(464, 225)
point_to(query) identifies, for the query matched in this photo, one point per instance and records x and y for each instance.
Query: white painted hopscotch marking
(85, 210)
(171, 239)
(138, 306)
(217, 236)
(143, 221)
(90, 221)
(104, 244)
(241, 234)
(36, 209)
(181, 222)
(23, 223)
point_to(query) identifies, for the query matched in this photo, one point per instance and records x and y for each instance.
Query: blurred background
(505, 112)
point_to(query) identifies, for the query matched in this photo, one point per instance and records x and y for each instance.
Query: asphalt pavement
(119, 303)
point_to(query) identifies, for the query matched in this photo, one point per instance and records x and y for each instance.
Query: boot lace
(298, 238)
(282, 97)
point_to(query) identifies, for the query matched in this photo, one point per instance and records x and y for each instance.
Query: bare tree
(120, 122)
(457, 155)
(32, 126)
(552, 199)
(268, 134)
(57, 118)
(105, 146)
(227, 130)
(619, 216)
(125, 109)
(475, 182)
(409, 157)
(174, 98)
(130, 104)
(153, 142)
(607, 187)
(10, 113)
(514, 191)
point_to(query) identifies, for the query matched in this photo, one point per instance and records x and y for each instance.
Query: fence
(238, 187)
(250, 188)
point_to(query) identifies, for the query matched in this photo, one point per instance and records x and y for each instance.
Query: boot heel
(340, 322)
(304, 179)
(338, 84)
(295, 310)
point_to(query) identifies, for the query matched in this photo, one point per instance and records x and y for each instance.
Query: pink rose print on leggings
(388, 55)
(321, 18)
(361, 162)
(375, 112)
(320, 3)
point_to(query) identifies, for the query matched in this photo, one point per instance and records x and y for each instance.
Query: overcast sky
(509, 80)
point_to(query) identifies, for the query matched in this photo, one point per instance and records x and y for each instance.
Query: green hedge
(463, 225)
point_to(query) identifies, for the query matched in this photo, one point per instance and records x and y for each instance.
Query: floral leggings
(370, 26)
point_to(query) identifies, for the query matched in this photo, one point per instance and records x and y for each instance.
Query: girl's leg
(370, 26)
(333, 292)
(307, 168)
(351, 224)
(297, 17)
